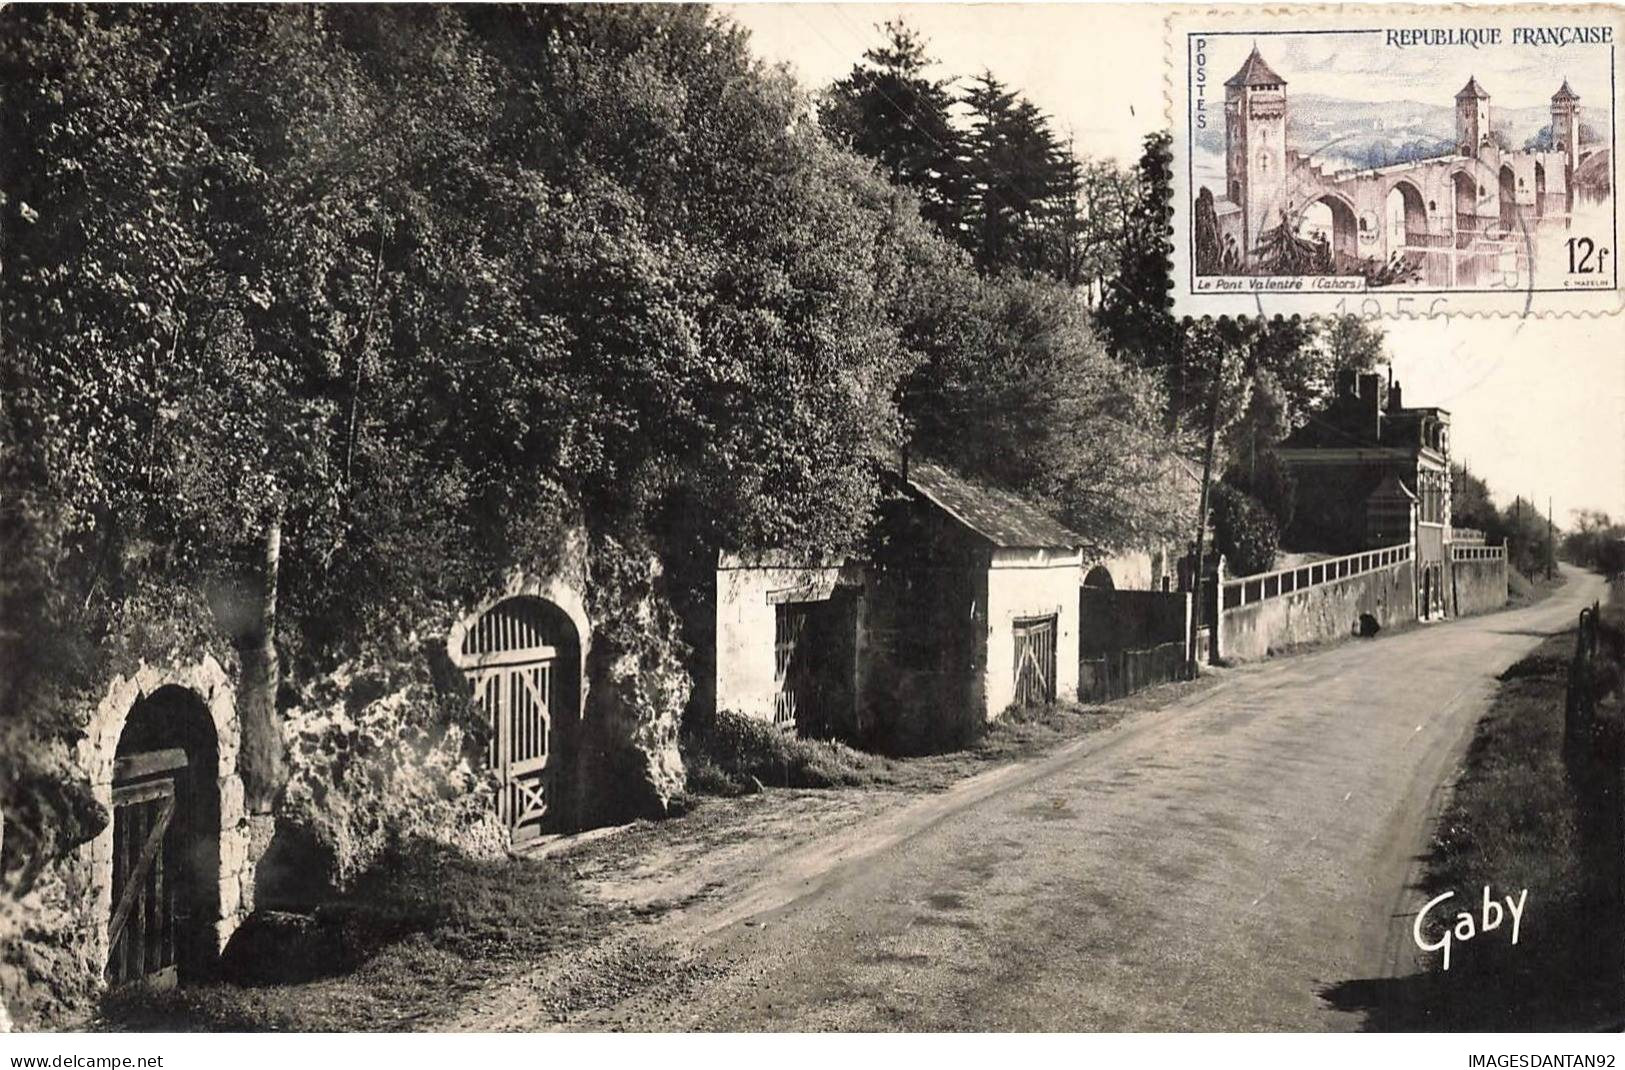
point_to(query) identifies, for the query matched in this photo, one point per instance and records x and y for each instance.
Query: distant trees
(1521, 526)
(1596, 541)
(1542, 140)
(990, 171)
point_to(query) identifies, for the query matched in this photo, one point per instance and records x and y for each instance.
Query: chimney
(1370, 408)
(1395, 398)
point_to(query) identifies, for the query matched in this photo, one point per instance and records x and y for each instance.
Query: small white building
(966, 604)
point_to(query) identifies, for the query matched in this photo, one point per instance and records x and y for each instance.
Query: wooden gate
(815, 651)
(516, 673)
(147, 882)
(789, 628)
(1035, 660)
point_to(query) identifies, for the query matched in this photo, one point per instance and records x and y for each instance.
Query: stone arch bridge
(1456, 218)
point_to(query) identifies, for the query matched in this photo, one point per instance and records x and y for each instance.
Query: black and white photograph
(673, 518)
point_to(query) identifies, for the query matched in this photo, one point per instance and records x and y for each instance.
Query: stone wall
(1478, 581)
(1113, 620)
(1327, 611)
(49, 976)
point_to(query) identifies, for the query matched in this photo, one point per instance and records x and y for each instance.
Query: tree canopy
(406, 291)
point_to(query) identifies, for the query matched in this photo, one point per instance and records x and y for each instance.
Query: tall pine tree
(889, 110)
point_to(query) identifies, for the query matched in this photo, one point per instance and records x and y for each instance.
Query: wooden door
(815, 647)
(147, 881)
(515, 674)
(1035, 660)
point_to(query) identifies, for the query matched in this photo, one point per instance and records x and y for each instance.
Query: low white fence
(1250, 589)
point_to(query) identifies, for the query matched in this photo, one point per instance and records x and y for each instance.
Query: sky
(1361, 67)
(1537, 405)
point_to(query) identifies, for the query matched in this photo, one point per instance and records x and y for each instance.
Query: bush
(725, 751)
(1271, 483)
(1244, 531)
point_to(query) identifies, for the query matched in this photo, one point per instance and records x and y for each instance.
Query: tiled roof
(1473, 89)
(1565, 93)
(1255, 72)
(1392, 487)
(998, 516)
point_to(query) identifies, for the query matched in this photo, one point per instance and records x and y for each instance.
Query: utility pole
(1201, 512)
(1551, 541)
(1517, 521)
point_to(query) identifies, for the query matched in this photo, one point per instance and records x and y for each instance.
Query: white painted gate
(514, 671)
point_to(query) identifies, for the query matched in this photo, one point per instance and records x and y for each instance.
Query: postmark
(1395, 160)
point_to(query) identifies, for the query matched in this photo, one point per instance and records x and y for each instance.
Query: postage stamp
(1395, 160)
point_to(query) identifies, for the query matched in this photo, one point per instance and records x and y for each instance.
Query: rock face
(378, 755)
(387, 748)
(629, 765)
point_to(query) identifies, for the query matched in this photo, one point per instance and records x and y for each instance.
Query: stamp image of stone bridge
(1462, 219)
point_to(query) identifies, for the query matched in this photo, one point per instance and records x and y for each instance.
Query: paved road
(1212, 866)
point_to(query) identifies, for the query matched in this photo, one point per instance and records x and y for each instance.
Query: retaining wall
(1314, 614)
(1478, 580)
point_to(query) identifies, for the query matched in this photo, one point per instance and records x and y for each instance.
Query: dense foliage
(1244, 531)
(392, 298)
(1597, 542)
(419, 286)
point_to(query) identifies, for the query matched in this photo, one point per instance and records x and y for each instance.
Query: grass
(1525, 814)
(420, 928)
(733, 754)
(1527, 590)
(728, 753)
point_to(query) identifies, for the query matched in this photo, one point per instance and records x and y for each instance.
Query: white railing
(1250, 589)
(1477, 553)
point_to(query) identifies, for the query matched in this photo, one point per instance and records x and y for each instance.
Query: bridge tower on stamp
(1255, 146)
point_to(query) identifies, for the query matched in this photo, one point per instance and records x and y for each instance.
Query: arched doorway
(1508, 199)
(1330, 221)
(522, 658)
(1098, 577)
(1540, 190)
(165, 843)
(1406, 216)
(1466, 191)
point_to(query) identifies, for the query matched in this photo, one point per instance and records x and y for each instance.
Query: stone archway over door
(522, 659)
(131, 740)
(166, 842)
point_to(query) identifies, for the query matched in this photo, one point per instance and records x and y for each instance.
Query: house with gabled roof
(965, 604)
